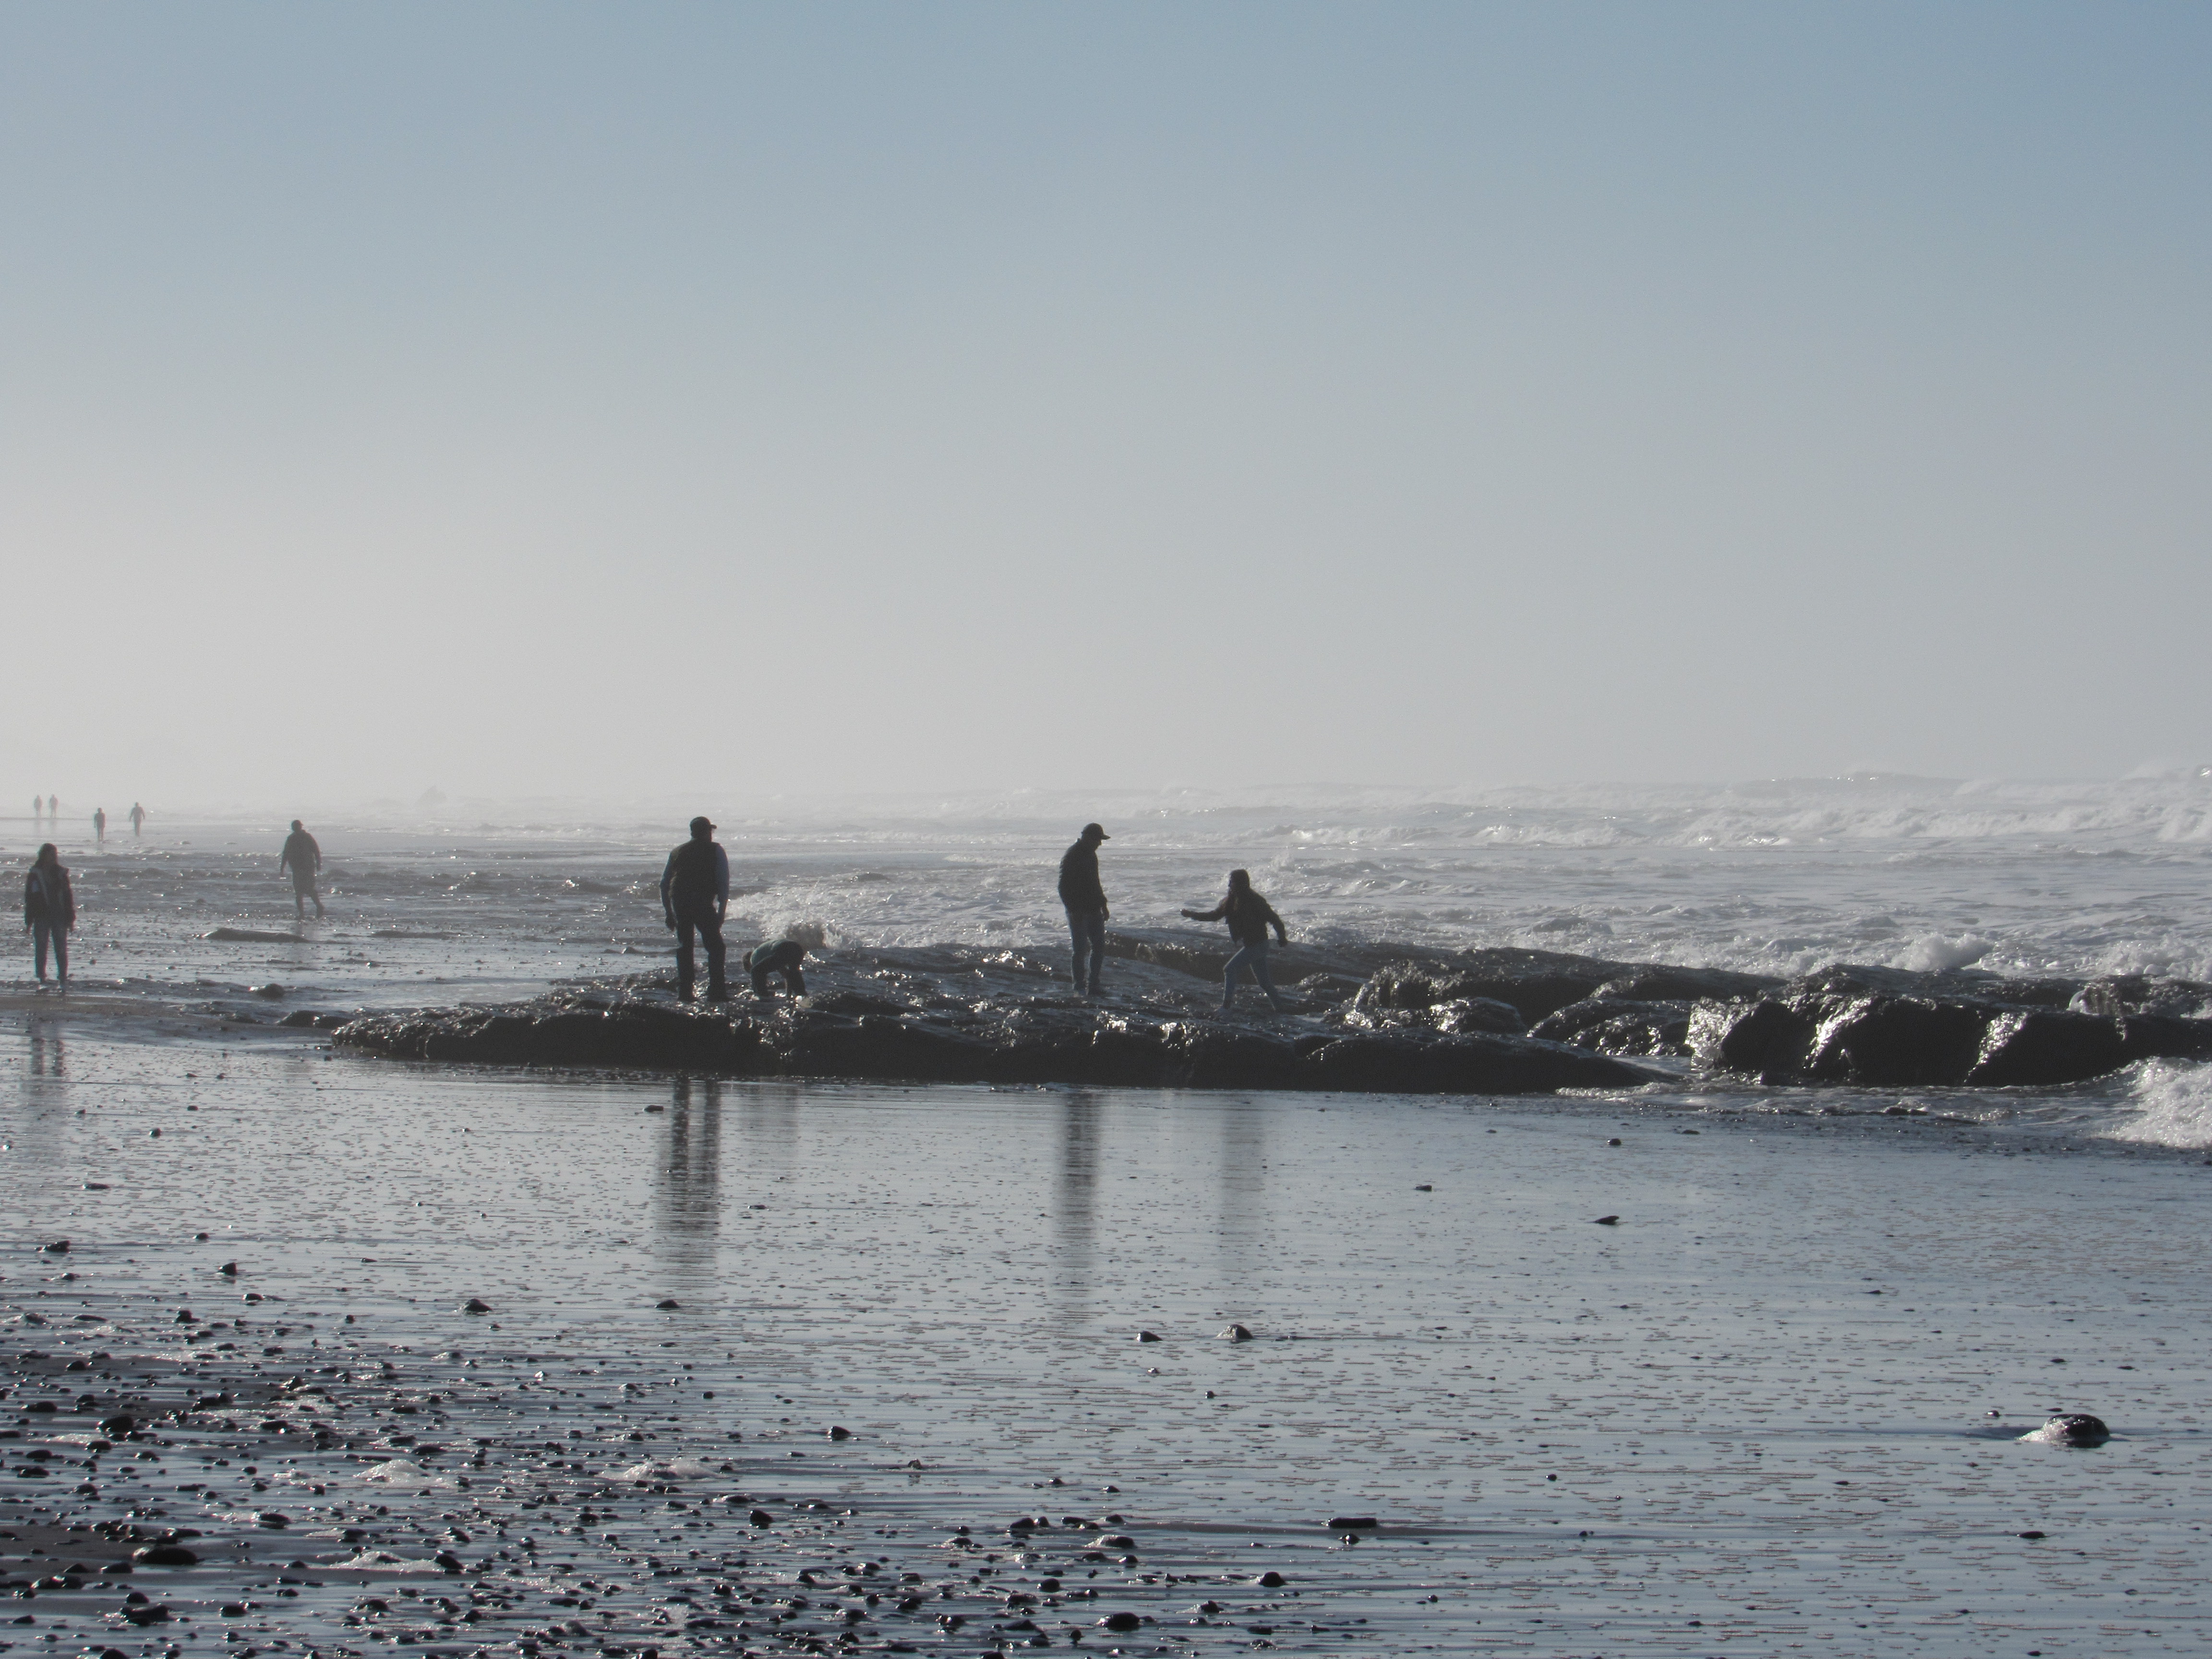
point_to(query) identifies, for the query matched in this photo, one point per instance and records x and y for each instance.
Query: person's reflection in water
(1075, 1273)
(49, 1056)
(686, 1195)
(1242, 1233)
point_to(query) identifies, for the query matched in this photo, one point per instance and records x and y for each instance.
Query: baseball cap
(700, 824)
(1093, 830)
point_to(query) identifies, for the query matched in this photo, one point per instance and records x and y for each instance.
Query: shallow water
(1750, 1418)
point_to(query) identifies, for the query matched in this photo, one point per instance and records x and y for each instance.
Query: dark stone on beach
(760, 1518)
(668, 1304)
(1608, 1221)
(2124, 994)
(836, 1431)
(1123, 1622)
(1237, 1333)
(1352, 1523)
(2165, 1037)
(251, 936)
(446, 1561)
(153, 1613)
(1271, 1580)
(164, 1555)
(1425, 1063)
(229, 1270)
(117, 1425)
(1147, 1336)
(275, 1519)
(1887, 1028)
(274, 993)
(59, 1247)
(476, 1305)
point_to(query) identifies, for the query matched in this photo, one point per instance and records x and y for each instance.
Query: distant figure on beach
(1249, 917)
(304, 860)
(138, 819)
(38, 809)
(99, 826)
(49, 911)
(782, 957)
(54, 808)
(695, 896)
(1085, 899)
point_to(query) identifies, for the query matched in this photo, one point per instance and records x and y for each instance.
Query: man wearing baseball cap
(1086, 904)
(694, 894)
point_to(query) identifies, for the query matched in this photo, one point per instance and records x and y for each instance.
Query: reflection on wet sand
(686, 1188)
(1077, 1191)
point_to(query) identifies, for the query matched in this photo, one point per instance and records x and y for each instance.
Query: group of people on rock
(695, 897)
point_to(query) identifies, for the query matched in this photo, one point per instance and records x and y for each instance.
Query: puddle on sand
(1744, 1414)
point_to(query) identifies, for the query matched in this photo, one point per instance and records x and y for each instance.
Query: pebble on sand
(1607, 1221)
(229, 1269)
(1148, 1336)
(667, 1303)
(1271, 1580)
(475, 1304)
(836, 1431)
(1120, 1621)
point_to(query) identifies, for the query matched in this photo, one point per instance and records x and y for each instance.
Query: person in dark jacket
(1249, 917)
(49, 911)
(304, 860)
(1080, 890)
(782, 957)
(695, 896)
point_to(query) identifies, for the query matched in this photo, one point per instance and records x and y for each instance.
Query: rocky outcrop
(1887, 1028)
(955, 1016)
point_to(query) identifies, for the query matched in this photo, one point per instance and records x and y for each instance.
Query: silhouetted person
(304, 860)
(779, 958)
(99, 826)
(1080, 890)
(1249, 917)
(49, 911)
(695, 896)
(38, 810)
(54, 808)
(138, 819)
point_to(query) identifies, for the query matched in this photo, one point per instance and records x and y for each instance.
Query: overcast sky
(595, 400)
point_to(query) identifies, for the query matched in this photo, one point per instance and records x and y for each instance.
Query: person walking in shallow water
(138, 819)
(49, 911)
(1250, 917)
(1085, 901)
(304, 860)
(99, 826)
(695, 896)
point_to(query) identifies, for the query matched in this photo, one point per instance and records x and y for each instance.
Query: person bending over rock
(49, 911)
(305, 860)
(781, 958)
(1086, 900)
(695, 896)
(1249, 917)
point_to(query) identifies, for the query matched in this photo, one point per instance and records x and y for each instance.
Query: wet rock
(668, 1304)
(1148, 1336)
(2124, 994)
(59, 1247)
(1352, 1523)
(251, 936)
(1426, 1063)
(228, 1270)
(274, 993)
(164, 1555)
(447, 1561)
(2071, 1429)
(1271, 1580)
(1237, 1333)
(1610, 1026)
(275, 1519)
(475, 1304)
(835, 1431)
(1122, 1622)
(1886, 1028)
(760, 1518)
(1608, 1221)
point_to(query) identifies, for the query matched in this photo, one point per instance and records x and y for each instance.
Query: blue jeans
(1255, 957)
(709, 929)
(41, 933)
(1089, 927)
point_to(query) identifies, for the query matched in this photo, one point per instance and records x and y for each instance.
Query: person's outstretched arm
(1214, 914)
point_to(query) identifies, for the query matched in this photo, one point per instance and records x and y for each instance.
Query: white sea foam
(2170, 1105)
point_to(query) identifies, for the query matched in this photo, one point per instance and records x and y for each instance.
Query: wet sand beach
(1773, 1408)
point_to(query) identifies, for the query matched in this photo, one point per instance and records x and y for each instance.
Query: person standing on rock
(304, 860)
(1249, 917)
(695, 896)
(1085, 899)
(138, 819)
(49, 911)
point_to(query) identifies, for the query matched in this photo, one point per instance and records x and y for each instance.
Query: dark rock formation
(1887, 1028)
(1620, 1027)
(949, 1015)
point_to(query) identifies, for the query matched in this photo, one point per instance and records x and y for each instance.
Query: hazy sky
(595, 399)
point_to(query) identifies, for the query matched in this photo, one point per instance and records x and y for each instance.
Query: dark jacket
(301, 854)
(1249, 915)
(1078, 879)
(47, 898)
(697, 877)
